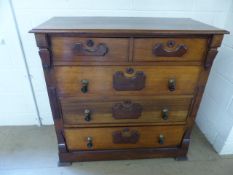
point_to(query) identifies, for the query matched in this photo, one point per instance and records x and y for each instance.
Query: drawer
(120, 137)
(137, 110)
(170, 49)
(120, 80)
(76, 49)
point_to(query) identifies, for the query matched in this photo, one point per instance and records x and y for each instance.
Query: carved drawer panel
(170, 49)
(121, 80)
(76, 49)
(120, 137)
(135, 110)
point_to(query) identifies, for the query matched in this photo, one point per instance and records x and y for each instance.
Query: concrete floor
(33, 151)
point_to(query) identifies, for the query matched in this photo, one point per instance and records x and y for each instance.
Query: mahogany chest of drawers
(125, 88)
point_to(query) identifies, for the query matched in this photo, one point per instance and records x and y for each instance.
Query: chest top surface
(126, 24)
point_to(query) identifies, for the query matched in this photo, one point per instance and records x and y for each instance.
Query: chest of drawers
(125, 88)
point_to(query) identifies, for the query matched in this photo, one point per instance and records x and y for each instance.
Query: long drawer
(138, 110)
(122, 138)
(121, 80)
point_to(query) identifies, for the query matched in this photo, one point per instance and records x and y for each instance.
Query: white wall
(216, 105)
(215, 116)
(17, 106)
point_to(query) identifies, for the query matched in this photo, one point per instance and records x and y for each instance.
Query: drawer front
(75, 49)
(114, 80)
(170, 49)
(136, 110)
(119, 137)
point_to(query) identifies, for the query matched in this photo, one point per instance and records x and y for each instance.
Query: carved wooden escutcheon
(89, 50)
(125, 136)
(160, 51)
(126, 110)
(134, 83)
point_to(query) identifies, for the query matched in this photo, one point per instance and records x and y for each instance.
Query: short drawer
(170, 49)
(120, 138)
(76, 49)
(120, 80)
(136, 110)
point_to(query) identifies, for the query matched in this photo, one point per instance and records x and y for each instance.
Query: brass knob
(87, 115)
(161, 139)
(84, 87)
(89, 142)
(165, 113)
(172, 84)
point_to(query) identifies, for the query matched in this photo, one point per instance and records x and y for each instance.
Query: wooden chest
(125, 88)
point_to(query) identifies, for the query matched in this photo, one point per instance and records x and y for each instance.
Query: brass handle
(172, 84)
(87, 115)
(84, 87)
(89, 142)
(161, 139)
(165, 113)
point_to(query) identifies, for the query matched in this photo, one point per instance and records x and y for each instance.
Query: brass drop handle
(89, 142)
(172, 84)
(87, 115)
(165, 112)
(84, 87)
(161, 139)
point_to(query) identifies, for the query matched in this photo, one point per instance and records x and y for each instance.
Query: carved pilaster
(182, 155)
(62, 148)
(186, 140)
(45, 58)
(61, 142)
(57, 117)
(55, 105)
(42, 42)
(215, 42)
(44, 50)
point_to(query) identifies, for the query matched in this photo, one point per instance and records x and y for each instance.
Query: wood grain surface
(101, 110)
(68, 80)
(127, 25)
(103, 138)
(196, 49)
(63, 49)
